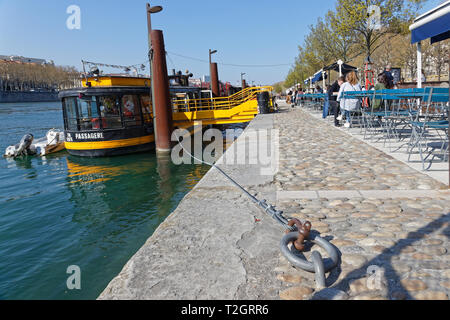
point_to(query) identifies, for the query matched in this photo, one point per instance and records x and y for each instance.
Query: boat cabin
(111, 115)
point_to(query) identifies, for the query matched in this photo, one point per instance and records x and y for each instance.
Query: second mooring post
(214, 79)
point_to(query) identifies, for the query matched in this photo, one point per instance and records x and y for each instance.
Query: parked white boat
(51, 143)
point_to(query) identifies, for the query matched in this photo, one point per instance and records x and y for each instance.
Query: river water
(61, 210)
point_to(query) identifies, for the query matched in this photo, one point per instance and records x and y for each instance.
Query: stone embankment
(389, 222)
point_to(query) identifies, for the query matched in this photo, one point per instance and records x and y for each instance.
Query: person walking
(332, 97)
(349, 105)
(294, 97)
(299, 97)
(288, 97)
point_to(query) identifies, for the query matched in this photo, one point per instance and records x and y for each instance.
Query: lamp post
(211, 52)
(340, 63)
(324, 74)
(419, 64)
(151, 10)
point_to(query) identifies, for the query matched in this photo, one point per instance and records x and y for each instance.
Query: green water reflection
(93, 213)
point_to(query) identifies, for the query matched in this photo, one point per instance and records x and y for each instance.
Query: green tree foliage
(353, 18)
(278, 87)
(346, 34)
(339, 44)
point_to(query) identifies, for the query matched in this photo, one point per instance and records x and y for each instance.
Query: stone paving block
(296, 293)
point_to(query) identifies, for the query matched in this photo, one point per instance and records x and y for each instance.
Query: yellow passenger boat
(111, 115)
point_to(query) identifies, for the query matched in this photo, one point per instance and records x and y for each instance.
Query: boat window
(130, 110)
(70, 106)
(146, 106)
(110, 111)
(87, 113)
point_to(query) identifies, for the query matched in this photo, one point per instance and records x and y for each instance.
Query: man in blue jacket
(388, 73)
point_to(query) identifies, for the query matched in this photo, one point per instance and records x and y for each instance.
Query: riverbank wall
(27, 96)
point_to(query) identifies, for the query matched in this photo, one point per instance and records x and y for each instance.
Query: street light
(155, 9)
(151, 10)
(210, 53)
(242, 83)
(340, 63)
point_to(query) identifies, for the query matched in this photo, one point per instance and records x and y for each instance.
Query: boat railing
(218, 103)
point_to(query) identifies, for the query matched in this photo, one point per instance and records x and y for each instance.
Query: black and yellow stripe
(115, 142)
(90, 145)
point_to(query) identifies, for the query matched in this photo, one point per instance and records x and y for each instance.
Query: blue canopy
(318, 76)
(434, 24)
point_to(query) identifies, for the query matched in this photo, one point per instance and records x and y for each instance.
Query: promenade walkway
(378, 211)
(381, 214)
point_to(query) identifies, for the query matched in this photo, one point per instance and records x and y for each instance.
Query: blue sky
(245, 32)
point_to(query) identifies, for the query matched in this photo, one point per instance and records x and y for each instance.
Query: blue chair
(430, 126)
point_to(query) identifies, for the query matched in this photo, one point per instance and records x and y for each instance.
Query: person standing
(326, 103)
(318, 89)
(299, 96)
(388, 72)
(424, 79)
(382, 83)
(348, 105)
(332, 97)
(294, 97)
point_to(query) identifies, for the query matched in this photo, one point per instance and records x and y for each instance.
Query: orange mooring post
(162, 119)
(214, 79)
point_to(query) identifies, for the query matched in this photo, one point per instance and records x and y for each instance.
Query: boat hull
(112, 151)
(110, 143)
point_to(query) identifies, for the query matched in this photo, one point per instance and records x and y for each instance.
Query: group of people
(341, 107)
(336, 104)
(294, 96)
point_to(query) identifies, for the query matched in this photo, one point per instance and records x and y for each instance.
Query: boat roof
(115, 81)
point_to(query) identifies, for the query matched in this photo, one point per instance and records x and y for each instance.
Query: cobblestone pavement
(393, 244)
